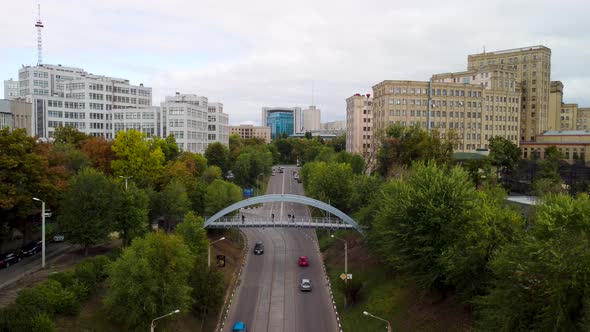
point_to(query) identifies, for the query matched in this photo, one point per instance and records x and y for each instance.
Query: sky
(252, 54)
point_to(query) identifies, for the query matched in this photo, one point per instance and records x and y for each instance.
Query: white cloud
(267, 53)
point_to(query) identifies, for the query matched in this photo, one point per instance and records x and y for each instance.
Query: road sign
(349, 276)
(343, 276)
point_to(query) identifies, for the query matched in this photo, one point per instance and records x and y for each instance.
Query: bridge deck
(305, 223)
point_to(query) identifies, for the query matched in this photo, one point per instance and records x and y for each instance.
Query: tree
(168, 146)
(504, 154)
(85, 215)
(338, 143)
(135, 158)
(130, 212)
(100, 153)
(151, 278)
(217, 154)
(194, 235)
(208, 290)
(22, 177)
(542, 280)
(548, 179)
(171, 204)
(328, 182)
(221, 194)
(212, 173)
(69, 135)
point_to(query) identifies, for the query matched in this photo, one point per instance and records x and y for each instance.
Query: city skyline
(233, 56)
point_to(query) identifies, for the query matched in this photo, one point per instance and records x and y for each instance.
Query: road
(268, 298)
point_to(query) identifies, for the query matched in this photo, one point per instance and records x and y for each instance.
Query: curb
(234, 287)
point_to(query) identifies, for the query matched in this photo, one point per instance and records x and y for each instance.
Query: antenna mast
(39, 26)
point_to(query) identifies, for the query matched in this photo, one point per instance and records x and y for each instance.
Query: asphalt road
(268, 298)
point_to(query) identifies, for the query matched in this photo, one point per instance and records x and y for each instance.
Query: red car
(303, 261)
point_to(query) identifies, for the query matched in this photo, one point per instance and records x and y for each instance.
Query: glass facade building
(280, 122)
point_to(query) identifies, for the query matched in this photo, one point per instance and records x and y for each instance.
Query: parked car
(303, 261)
(305, 285)
(31, 248)
(258, 248)
(9, 258)
(239, 327)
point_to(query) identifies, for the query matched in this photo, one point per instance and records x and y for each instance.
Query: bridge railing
(258, 221)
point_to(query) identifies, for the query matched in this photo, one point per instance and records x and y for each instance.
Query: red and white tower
(39, 26)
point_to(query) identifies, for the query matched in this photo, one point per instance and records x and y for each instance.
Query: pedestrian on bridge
(272, 217)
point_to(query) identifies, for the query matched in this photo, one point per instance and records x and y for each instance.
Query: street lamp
(126, 178)
(379, 318)
(153, 325)
(42, 231)
(209, 251)
(345, 256)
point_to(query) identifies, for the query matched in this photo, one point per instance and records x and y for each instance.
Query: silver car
(305, 285)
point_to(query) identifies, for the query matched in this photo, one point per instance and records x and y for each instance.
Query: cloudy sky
(250, 54)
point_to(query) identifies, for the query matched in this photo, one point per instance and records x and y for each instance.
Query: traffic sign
(349, 276)
(343, 276)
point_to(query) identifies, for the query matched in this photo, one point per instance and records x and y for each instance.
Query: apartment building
(532, 72)
(218, 124)
(334, 126)
(10, 89)
(16, 113)
(145, 120)
(251, 131)
(68, 96)
(475, 105)
(359, 125)
(311, 119)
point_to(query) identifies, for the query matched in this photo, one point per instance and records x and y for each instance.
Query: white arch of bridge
(287, 198)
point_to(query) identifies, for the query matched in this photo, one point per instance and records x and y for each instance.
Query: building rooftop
(566, 132)
(513, 50)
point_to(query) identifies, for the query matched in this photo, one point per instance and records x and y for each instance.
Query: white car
(305, 285)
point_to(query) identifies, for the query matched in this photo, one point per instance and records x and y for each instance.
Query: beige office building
(311, 119)
(575, 145)
(555, 101)
(476, 105)
(359, 125)
(250, 131)
(583, 119)
(532, 66)
(16, 113)
(568, 116)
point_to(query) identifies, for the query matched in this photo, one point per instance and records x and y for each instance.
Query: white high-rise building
(67, 96)
(10, 89)
(146, 120)
(218, 126)
(311, 119)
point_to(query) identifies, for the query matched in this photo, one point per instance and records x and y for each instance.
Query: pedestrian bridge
(342, 220)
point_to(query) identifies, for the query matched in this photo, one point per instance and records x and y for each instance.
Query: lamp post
(379, 318)
(42, 231)
(153, 325)
(209, 251)
(345, 256)
(126, 178)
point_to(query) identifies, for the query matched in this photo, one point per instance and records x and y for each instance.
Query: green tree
(504, 154)
(328, 182)
(171, 204)
(151, 278)
(208, 290)
(86, 210)
(338, 143)
(168, 146)
(542, 280)
(69, 135)
(212, 173)
(22, 177)
(194, 235)
(221, 194)
(136, 158)
(217, 154)
(548, 179)
(130, 212)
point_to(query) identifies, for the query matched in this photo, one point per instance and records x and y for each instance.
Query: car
(239, 327)
(303, 261)
(31, 248)
(280, 170)
(59, 238)
(298, 179)
(305, 285)
(9, 258)
(258, 248)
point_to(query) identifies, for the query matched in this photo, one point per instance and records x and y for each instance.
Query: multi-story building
(67, 96)
(568, 116)
(251, 131)
(10, 89)
(532, 72)
(16, 113)
(218, 124)
(145, 120)
(359, 125)
(555, 101)
(583, 119)
(311, 119)
(186, 117)
(282, 120)
(475, 105)
(575, 145)
(334, 126)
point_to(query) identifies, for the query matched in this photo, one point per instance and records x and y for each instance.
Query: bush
(42, 323)
(92, 271)
(66, 278)
(34, 301)
(62, 300)
(16, 318)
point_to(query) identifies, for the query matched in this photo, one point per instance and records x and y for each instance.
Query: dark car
(258, 248)
(31, 248)
(9, 258)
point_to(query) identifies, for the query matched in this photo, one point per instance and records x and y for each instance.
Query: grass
(386, 294)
